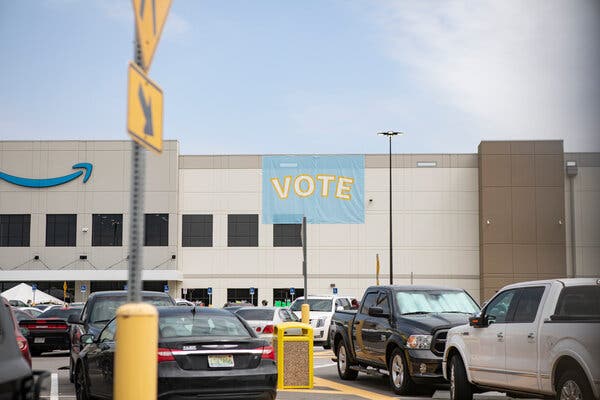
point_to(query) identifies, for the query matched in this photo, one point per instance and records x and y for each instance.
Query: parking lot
(327, 384)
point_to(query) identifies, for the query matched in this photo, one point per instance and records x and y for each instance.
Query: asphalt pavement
(327, 384)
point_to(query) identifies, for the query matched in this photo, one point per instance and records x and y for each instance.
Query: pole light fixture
(391, 134)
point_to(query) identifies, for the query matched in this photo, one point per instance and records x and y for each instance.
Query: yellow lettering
(284, 192)
(325, 181)
(343, 187)
(298, 185)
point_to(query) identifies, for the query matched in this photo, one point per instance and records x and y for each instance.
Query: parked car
(264, 319)
(50, 331)
(17, 381)
(99, 309)
(17, 303)
(399, 331)
(20, 338)
(321, 311)
(43, 307)
(534, 339)
(34, 312)
(202, 353)
(184, 302)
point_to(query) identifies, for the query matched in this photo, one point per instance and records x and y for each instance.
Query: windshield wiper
(416, 312)
(455, 312)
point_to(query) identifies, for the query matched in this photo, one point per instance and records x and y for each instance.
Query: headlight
(419, 341)
(320, 322)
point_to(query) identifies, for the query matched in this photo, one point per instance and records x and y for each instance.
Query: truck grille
(438, 344)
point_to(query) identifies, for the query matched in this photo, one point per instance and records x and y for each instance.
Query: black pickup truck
(399, 331)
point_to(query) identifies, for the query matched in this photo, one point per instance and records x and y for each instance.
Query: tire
(399, 377)
(71, 370)
(573, 384)
(460, 388)
(343, 363)
(81, 386)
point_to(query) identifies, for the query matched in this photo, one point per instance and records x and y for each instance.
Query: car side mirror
(87, 338)
(377, 312)
(479, 321)
(74, 319)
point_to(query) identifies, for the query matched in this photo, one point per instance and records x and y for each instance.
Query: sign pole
(305, 305)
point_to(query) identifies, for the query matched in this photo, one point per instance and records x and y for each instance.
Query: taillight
(268, 329)
(165, 355)
(22, 343)
(268, 353)
(258, 329)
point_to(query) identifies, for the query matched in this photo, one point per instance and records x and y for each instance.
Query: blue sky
(310, 76)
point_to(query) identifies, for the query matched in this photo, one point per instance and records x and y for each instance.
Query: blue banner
(325, 189)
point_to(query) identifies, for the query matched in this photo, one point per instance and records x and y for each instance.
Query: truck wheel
(572, 385)
(343, 364)
(399, 376)
(460, 388)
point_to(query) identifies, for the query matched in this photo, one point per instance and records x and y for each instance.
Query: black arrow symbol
(147, 109)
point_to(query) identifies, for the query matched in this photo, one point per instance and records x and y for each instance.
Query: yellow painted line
(316, 391)
(365, 394)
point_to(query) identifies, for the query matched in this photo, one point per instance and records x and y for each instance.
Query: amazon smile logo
(49, 182)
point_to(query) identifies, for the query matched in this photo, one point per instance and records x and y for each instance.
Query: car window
(382, 301)
(435, 301)
(57, 312)
(315, 305)
(256, 314)
(369, 301)
(194, 324)
(287, 316)
(108, 333)
(346, 304)
(105, 307)
(497, 309)
(528, 304)
(579, 301)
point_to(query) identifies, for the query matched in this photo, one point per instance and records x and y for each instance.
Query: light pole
(389, 134)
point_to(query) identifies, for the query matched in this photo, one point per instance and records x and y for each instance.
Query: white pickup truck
(532, 339)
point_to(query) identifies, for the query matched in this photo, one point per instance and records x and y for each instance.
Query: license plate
(220, 361)
(39, 340)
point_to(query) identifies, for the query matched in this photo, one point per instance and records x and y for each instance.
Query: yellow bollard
(136, 352)
(305, 314)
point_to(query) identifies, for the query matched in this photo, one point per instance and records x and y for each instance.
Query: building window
(196, 295)
(14, 230)
(107, 229)
(242, 230)
(61, 230)
(242, 296)
(287, 235)
(156, 230)
(197, 231)
(283, 298)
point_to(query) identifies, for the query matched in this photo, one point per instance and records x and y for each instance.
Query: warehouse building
(476, 221)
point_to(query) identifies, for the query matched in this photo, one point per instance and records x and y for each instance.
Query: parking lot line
(54, 386)
(345, 389)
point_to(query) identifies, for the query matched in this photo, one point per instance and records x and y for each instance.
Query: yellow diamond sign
(150, 17)
(144, 110)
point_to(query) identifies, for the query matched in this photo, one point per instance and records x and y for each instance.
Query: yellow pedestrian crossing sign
(150, 17)
(144, 110)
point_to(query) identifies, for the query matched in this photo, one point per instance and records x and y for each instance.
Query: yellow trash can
(294, 355)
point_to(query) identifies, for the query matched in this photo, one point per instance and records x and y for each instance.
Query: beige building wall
(435, 229)
(587, 215)
(106, 192)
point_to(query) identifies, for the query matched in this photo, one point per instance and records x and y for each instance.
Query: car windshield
(105, 307)
(435, 301)
(315, 305)
(63, 313)
(256, 314)
(198, 324)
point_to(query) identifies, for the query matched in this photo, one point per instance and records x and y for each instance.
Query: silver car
(263, 319)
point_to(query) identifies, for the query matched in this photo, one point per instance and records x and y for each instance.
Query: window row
(107, 230)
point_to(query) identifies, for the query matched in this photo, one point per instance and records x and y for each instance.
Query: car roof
(257, 308)
(410, 288)
(178, 310)
(109, 293)
(563, 281)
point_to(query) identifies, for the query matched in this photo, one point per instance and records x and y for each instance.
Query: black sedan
(202, 353)
(50, 330)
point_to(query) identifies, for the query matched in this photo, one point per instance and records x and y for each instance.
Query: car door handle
(500, 336)
(531, 336)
